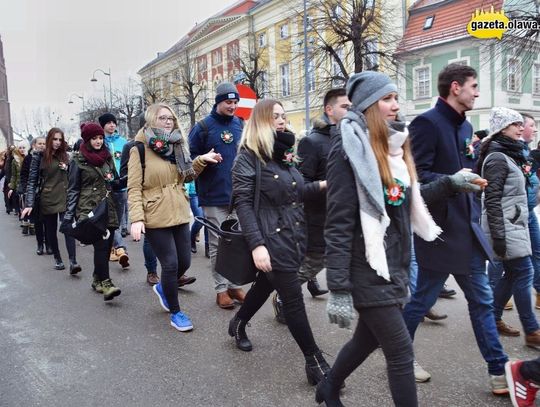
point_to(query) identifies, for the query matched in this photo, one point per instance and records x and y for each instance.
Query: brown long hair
(378, 136)
(49, 153)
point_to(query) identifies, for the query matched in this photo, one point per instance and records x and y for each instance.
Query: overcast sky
(52, 47)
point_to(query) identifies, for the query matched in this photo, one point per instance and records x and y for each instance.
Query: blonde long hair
(151, 115)
(258, 133)
(378, 137)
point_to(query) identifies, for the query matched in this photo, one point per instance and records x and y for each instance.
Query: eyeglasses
(166, 118)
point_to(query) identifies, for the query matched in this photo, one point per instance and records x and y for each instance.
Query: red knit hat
(89, 130)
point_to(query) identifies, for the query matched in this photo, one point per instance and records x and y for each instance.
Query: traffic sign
(248, 98)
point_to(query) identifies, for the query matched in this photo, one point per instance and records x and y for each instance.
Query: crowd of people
(389, 210)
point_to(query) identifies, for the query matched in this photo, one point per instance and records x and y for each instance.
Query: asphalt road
(62, 345)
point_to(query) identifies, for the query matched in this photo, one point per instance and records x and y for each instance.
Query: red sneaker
(522, 392)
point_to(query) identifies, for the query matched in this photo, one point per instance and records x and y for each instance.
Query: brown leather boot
(237, 294)
(506, 330)
(223, 300)
(432, 315)
(533, 339)
(537, 305)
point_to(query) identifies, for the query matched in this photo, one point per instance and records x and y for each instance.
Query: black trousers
(102, 251)
(172, 247)
(39, 228)
(384, 327)
(51, 226)
(289, 289)
(530, 370)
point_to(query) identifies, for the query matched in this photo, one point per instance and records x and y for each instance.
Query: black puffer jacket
(347, 267)
(313, 153)
(25, 172)
(279, 225)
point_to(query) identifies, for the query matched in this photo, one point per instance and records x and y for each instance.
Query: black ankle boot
(328, 393)
(58, 264)
(74, 268)
(316, 368)
(237, 329)
(25, 230)
(314, 288)
(39, 250)
(48, 250)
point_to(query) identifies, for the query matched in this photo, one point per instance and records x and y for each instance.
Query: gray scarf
(171, 147)
(369, 188)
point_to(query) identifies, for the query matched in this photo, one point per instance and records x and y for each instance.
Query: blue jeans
(150, 259)
(120, 201)
(197, 211)
(534, 233)
(479, 297)
(517, 281)
(413, 270)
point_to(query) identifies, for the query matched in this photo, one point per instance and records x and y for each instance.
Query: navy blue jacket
(439, 137)
(214, 184)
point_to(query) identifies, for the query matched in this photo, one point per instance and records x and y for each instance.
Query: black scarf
(283, 148)
(512, 148)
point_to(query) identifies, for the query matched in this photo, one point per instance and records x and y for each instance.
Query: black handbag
(234, 260)
(92, 228)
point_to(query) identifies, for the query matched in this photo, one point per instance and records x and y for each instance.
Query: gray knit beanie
(501, 117)
(225, 91)
(365, 88)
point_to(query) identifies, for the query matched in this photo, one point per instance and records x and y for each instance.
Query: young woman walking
(91, 178)
(374, 203)
(276, 235)
(505, 217)
(48, 179)
(158, 202)
(16, 164)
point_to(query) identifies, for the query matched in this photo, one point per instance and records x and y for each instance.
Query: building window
(536, 79)
(201, 65)
(263, 84)
(216, 57)
(421, 82)
(514, 77)
(309, 22)
(311, 75)
(233, 51)
(429, 22)
(371, 58)
(337, 73)
(370, 3)
(284, 31)
(285, 80)
(262, 40)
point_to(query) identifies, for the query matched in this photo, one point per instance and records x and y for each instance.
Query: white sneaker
(498, 384)
(420, 375)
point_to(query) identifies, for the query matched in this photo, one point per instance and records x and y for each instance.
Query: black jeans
(530, 370)
(102, 251)
(173, 250)
(290, 291)
(382, 326)
(51, 226)
(38, 227)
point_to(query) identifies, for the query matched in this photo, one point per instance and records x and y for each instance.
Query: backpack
(125, 160)
(204, 128)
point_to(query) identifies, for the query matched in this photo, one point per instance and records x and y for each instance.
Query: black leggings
(172, 247)
(102, 251)
(382, 326)
(289, 289)
(51, 226)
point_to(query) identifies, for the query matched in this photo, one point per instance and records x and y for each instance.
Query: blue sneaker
(181, 322)
(158, 289)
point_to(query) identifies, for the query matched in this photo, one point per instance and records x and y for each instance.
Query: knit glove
(462, 181)
(340, 309)
(499, 247)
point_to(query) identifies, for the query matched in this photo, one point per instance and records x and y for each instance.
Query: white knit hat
(501, 117)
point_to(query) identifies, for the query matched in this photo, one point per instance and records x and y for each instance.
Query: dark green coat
(88, 186)
(49, 182)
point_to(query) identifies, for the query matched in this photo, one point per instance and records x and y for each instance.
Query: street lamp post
(306, 69)
(80, 97)
(110, 82)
